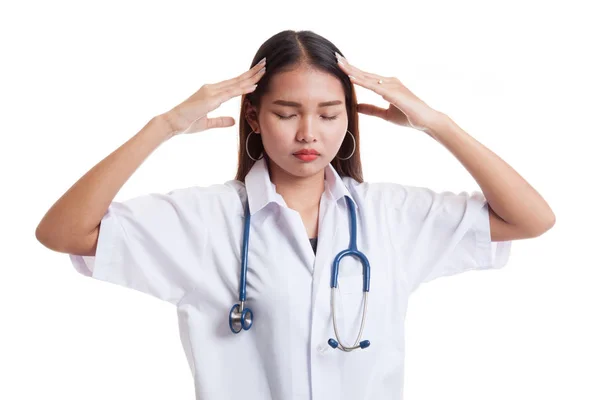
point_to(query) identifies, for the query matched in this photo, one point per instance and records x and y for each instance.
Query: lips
(307, 152)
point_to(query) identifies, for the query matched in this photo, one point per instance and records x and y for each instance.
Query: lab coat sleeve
(444, 233)
(151, 243)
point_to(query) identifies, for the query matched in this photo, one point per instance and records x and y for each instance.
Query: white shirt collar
(261, 191)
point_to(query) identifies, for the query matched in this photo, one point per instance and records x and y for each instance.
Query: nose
(305, 133)
(308, 138)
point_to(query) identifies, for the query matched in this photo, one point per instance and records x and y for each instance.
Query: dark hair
(284, 51)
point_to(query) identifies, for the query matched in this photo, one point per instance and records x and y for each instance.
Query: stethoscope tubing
(241, 317)
(351, 251)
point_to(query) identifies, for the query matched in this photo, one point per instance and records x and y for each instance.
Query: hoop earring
(354, 140)
(247, 152)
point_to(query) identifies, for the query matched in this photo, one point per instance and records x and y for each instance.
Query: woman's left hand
(405, 108)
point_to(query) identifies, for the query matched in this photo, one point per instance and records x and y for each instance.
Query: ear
(251, 115)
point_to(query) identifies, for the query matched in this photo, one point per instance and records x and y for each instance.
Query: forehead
(305, 85)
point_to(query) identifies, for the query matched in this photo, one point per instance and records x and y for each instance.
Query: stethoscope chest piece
(240, 320)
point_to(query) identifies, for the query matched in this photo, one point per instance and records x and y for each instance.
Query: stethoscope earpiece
(334, 344)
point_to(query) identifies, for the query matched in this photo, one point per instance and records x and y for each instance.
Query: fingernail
(263, 60)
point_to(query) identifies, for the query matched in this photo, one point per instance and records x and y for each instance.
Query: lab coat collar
(261, 191)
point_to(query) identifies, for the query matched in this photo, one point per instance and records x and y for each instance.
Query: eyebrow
(298, 105)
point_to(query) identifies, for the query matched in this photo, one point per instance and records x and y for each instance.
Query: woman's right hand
(191, 115)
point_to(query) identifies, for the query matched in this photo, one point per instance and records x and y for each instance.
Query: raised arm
(517, 210)
(71, 225)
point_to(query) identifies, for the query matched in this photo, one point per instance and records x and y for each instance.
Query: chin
(306, 169)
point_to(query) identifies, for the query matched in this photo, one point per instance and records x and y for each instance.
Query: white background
(80, 78)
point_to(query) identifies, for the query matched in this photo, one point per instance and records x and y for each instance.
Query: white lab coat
(184, 247)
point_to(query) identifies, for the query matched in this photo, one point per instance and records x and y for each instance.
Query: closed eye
(293, 115)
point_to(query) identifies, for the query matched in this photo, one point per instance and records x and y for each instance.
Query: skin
(301, 183)
(517, 210)
(514, 214)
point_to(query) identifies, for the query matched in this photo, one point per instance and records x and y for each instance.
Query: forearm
(79, 211)
(507, 193)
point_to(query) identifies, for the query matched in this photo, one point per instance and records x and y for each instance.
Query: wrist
(167, 125)
(438, 125)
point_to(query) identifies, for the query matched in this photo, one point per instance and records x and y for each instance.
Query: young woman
(265, 312)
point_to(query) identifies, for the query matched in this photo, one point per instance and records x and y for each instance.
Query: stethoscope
(243, 320)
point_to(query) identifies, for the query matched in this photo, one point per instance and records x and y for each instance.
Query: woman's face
(287, 128)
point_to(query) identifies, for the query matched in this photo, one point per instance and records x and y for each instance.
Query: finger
(202, 124)
(219, 122)
(352, 70)
(367, 83)
(370, 109)
(234, 91)
(252, 80)
(251, 73)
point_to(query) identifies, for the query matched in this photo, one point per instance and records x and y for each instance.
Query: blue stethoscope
(243, 320)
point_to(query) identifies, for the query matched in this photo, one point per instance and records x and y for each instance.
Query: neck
(302, 194)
